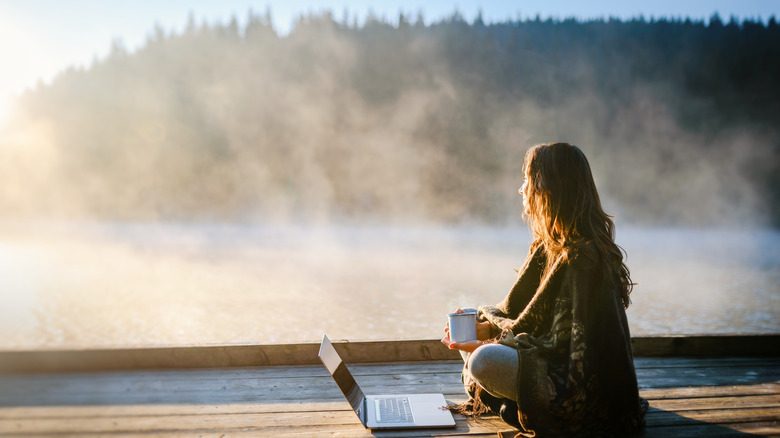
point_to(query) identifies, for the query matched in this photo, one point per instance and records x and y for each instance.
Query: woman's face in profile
(524, 192)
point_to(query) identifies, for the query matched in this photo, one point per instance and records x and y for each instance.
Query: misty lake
(109, 285)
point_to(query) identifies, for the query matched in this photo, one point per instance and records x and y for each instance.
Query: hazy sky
(39, 38)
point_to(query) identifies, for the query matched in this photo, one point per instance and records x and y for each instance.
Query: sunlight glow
(17, 49)
(5, 110)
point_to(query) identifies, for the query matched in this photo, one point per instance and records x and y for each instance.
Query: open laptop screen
(341, 375)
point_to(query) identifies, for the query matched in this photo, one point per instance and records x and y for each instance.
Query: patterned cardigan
(576, 374)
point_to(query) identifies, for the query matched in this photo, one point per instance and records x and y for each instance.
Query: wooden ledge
(210, 356)
(708, 345)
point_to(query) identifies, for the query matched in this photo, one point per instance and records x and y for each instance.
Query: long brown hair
(563, 210)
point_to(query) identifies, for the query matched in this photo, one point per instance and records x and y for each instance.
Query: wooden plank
(28, 412)
(709, 345)
(253, 386)
(698, 429)
(703, 376)
(644, 368)
(221, 374)
(452, 391)
(765, 429)
(716, 416)
(710, 391)
(427, 367)
(768, 371)
(710, 362)
(91, 412)
(180, 422)
(211, 380)
(717, 403)
(708, 380)
(476, 429)
(157, 399)
(342, 420)
(218, 356)
(85, 391)
(660, 399)
(318, 432)
(207, 356)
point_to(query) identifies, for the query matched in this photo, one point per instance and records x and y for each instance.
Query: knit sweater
(576, 374)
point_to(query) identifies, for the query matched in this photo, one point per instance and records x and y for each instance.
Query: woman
(554, 357)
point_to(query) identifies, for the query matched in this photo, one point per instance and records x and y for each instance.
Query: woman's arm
(492, 320)
(515, 312)
(526, 284)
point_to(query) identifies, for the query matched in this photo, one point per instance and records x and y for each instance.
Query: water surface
(110, 285)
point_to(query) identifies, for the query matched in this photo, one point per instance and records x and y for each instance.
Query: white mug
(463, 326)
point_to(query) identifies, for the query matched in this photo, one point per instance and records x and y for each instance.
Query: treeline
(402, 121)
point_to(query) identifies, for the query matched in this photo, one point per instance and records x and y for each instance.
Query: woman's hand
(468, 346)
(483, 331)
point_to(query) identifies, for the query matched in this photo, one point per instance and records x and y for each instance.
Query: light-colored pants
(494, 367)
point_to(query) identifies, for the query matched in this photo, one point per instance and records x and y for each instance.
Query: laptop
(400, 411)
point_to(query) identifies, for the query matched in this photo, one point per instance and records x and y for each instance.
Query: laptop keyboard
(393, 410)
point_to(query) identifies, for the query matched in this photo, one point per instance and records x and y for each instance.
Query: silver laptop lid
(335, 366)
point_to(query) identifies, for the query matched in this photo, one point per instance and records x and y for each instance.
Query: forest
(398, 121)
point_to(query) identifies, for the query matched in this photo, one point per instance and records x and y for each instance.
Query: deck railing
(243, 355)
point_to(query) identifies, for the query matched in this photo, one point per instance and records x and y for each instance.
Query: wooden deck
(689, 396)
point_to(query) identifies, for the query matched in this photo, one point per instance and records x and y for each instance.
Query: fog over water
(226, 184)
(112, 285)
